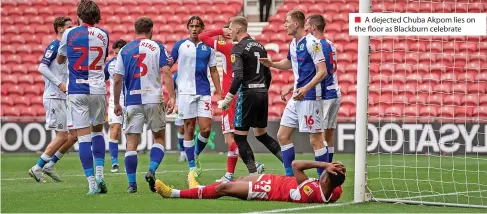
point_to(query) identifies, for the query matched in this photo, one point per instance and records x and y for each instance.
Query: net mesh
(427, 112)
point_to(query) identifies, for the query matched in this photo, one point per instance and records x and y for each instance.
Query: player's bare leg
(113, 145)
(49, 167)
(156, 156)
(189, 127)
(287, 148)
(270, 143)
(233, 189)
(131, 161)
(36, 171)
(182, 156)
(328, 137)
(205, 130)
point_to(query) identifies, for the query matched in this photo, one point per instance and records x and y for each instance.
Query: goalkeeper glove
(225, 103)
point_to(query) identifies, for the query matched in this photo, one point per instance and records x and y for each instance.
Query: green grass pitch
(20, 193)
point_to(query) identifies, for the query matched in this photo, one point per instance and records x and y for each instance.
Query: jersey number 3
(84, 53)
(140, 63)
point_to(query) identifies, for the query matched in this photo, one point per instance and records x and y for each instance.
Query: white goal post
(421, 112)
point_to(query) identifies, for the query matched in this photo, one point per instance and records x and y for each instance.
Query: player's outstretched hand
(62, 87)
(266, 61)
(170, 105)
(118, 109)
(300, 93)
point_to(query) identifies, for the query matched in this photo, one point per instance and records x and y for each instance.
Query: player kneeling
(268, 187)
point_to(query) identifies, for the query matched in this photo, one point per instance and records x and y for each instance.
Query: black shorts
(251, 110)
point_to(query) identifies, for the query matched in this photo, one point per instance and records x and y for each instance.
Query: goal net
(427, 112)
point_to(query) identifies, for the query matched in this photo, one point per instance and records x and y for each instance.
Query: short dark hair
(60, 22)
(336, 180)
(200, 21)
(143, 25)
(241, 21)
(89, 12)
(119, 44)
(318, 21)
(298, 16)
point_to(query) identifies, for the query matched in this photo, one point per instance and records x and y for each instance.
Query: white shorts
(154, 114)
(56, 118)
(85, 110)
(306, 115)
(112, 118)
(193, 106)
(178, 121)
(330, 111)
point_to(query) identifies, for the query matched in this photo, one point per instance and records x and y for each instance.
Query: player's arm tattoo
(237, 69)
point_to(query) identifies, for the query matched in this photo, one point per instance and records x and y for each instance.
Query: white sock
(192, 168)
(175, 193)
(99, 171)
(91, 182)
(183, 153)
(331, 149)
(228, 174)
(36, 167)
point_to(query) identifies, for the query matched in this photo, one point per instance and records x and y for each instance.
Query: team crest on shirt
(60, 126)
(221, 42)
(48, 54)
(307, 190)
(203, 48)
(301, 47)
(317, 47)
(232, 58)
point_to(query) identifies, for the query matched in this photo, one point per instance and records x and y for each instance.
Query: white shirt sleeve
(63, 45)
(48, 74)
(119, 67)
(315, 50)
(212, 62)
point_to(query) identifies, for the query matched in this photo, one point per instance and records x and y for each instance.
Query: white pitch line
(304, 208)
(107, 174)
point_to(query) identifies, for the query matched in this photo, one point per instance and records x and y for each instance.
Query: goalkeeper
(253, 79)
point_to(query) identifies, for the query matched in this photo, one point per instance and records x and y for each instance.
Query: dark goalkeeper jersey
(247, 70)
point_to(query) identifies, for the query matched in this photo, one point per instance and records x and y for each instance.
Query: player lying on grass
(269, 187)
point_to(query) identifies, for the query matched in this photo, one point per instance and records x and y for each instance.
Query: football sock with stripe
(131, 162)
(189, 149)
(246, 152)
(113, 147)
(86, 158)
(321, 155)
(156, 156)
(288, 156)
(98, 143)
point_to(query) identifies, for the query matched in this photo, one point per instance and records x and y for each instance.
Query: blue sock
(98, 143)
(201, 144)
(43, 160)
(113, 147)
(86, 155)
(156, 155)
(181, 142)
(131, 167)
(331, 151)
(288, 156)
(56, 157)
(189, 149)
(321, 155)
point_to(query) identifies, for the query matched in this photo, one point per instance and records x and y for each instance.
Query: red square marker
(357, 19)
